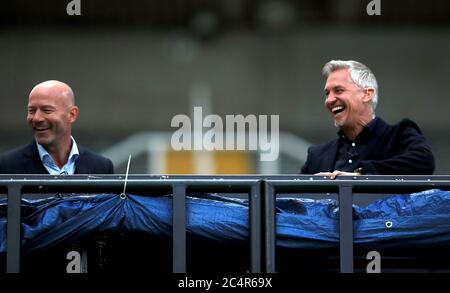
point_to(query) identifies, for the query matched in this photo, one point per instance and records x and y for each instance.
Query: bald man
(51, 113)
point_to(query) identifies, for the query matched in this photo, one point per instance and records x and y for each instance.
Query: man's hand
(337, 173)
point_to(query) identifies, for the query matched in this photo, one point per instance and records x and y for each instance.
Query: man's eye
(31, 111)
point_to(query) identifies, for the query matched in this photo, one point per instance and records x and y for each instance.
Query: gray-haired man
(365, 144)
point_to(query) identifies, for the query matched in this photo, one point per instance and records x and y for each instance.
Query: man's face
(50, 116)
(346, 102)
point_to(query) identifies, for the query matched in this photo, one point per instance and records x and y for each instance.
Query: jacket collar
(34, 164)
(367, 130)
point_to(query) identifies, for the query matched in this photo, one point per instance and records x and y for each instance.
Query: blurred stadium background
(134, 65)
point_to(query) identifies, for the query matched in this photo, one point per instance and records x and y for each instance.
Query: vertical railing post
(255, 227)
(179, 228)
(270, 226)
(346, 228)
(13, 230)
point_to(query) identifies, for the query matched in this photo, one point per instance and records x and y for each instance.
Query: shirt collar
(370, 127)
(74, 153)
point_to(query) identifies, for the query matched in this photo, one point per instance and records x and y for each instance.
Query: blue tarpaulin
(418, 219)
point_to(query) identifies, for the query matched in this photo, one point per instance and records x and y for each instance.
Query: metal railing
(177, 185)
(261, 190)
(345, 187)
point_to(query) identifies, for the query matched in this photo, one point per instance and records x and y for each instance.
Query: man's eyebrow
(334, 88)
(43, 107)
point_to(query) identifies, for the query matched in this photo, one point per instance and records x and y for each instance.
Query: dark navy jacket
(399, 149)
(26, 160)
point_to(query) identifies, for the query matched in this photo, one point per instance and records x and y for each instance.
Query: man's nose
(37, 117)
(330, 100)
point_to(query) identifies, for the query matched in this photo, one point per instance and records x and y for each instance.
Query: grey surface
(136, 80)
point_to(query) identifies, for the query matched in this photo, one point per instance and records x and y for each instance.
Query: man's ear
(73, 114)
(368, 95)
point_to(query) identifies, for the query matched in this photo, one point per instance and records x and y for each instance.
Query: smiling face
(51, 114)
(349, 105)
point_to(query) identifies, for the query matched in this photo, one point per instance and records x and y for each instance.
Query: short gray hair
(360, 75)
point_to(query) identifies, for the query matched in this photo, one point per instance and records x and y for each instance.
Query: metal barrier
(177, 185)
(345, 186)
(262, 191)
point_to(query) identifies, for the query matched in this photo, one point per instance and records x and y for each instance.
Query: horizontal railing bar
(232, 183)
(8, 177)
(114, 184)
(119, 182)
(374, 186)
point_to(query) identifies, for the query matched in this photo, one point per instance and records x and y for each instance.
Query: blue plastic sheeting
(419, 219)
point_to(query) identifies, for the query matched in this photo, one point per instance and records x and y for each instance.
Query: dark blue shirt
(348, 158)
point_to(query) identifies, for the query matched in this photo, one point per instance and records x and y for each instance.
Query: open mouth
(337, 109)
(40, 129)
